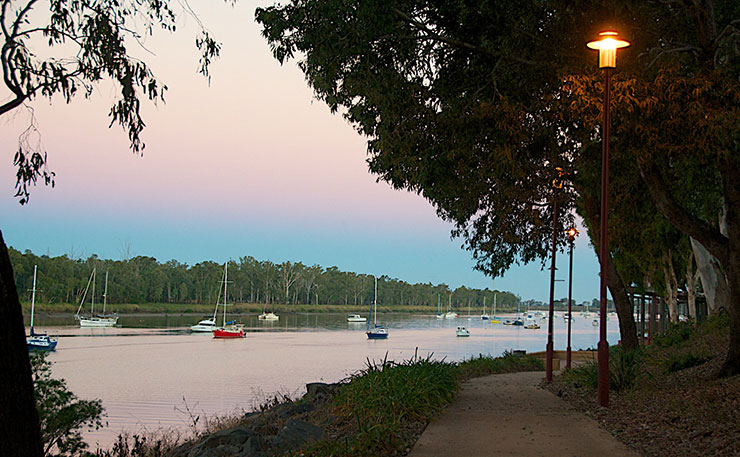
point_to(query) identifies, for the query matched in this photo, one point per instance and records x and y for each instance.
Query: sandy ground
(508, 415)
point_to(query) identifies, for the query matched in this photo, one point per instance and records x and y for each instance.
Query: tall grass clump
(625, 368)
(507, 363)
(676, 334)
(385, 396)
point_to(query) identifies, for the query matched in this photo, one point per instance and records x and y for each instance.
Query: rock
(238, 441)
(296, 433)
(319, 390)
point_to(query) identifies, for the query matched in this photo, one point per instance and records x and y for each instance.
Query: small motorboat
(595, 322)
(377, 333)
(204, 326)
(268, 316)
(356, 318)
(507, 321)
(531, 324)
(462, 331)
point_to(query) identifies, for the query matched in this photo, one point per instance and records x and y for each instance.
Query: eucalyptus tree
(475, 105)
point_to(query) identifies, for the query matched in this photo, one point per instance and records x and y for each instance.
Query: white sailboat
(439, 312)
(38, 341)
(450, 314)
(207, 325)
(229, 329)
(376, 332)
(484, 316)
(100, 320)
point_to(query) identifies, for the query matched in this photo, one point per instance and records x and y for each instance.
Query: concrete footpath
(508, 415)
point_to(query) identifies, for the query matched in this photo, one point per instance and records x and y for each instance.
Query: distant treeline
(143, 279)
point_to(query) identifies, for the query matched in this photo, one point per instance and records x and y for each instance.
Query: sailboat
(100, 320)
(207, 325)
(229, 329)
(376, 332)
(494, 319)
(268, 316)
(518, 321)
(38, 341)
(484, 316)
(439, 313)
(450, 314)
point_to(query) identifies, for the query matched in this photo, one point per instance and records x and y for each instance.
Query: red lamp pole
(549, 348)
(607, 47)
(571, 237)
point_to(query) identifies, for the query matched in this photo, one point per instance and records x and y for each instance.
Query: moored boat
(462, 331)
(38, 341)
(229, 329)
(376, 332)
(100, 320)
(356, 318)
(268, 316)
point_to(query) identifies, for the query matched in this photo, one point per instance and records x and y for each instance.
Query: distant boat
(207, 325)
(99, 320)
(376, 332)
(595, 322)
(356, 318)
(494, 319)
(567, 316)
(38, 341)
(462, 331)
(484, 316)
(518, 322)
(450, 314)
(268, 316)
(229, 329)
(439, 313)
(531, 324)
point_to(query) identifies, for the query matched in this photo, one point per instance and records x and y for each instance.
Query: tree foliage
(63, 416)
(63, 48)
(145, 280)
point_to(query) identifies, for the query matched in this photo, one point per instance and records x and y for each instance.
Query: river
(151, 371)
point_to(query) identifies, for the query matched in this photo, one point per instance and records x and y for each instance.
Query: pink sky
(251, 165)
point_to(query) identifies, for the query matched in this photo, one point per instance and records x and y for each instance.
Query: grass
(383, 409)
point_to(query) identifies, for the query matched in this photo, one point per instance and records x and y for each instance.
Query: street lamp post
(572, 233)
(557, 184)
(607, 45)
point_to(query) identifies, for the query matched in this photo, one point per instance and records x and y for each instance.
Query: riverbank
(666, 400)
(381, 410)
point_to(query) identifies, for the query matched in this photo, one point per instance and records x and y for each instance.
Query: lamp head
(607, 45)
(572, 233)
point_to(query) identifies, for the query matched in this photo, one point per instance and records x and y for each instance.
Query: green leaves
(62, 414)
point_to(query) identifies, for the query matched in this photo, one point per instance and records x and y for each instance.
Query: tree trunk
(20, 432)
(627, 328)
(713, 279)
(731, 188)
(691, 280)
(671, 287)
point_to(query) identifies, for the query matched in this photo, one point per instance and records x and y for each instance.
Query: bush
(61, 413)
(683, 361)
(625, 367)
(676, 334)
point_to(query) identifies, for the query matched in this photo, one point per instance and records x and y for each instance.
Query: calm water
(146, 371)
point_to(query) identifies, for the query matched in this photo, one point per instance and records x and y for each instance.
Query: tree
(474, 105)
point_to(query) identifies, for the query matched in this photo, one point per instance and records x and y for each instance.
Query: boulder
(296, 433)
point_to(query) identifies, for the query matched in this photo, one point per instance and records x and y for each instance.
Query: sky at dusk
(250, 165)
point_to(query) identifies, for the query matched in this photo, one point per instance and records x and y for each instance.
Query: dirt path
(508, 415)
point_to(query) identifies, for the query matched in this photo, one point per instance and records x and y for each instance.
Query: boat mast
(105, 293)
(84, 294)
(92, 297)
(375, 304)
(438, 311)
(484, 304)
(33, 297)
(226, 278)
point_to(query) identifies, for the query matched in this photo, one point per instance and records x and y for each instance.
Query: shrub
(625, 367)
(61, 414)
(682, 361)
(676, 334)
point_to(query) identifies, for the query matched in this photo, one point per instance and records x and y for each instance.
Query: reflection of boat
(230, 329)
(356, 318)
(100, 320)
(38, 341)
(462, 331)
(531, 324)
(376, 332)
(268, 316)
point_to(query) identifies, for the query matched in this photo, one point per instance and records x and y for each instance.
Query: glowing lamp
(572, 233)
(607, 45)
